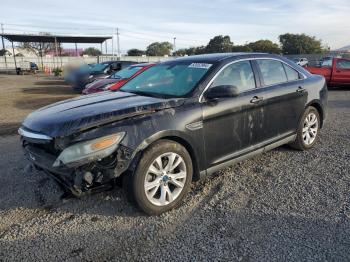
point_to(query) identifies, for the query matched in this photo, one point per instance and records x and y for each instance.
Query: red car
(116, 80)
(336, 71)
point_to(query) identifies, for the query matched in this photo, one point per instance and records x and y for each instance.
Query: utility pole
(118, 44)
(113, 46)
(3, 45)
(174, 46)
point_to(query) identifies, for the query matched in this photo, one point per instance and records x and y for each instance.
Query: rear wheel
(308, 130)
(162, 178)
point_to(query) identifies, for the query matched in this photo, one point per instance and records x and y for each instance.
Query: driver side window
(238, 74)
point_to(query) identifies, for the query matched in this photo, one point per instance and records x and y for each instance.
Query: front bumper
(73, 179)
(44, 161)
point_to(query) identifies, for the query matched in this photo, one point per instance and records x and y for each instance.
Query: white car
(301, 61)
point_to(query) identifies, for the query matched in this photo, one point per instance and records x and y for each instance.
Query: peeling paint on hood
(70, 116)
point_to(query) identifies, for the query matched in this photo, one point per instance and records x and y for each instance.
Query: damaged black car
(175, 123)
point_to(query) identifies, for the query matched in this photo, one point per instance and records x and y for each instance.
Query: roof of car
(216, 57)
(112, 61)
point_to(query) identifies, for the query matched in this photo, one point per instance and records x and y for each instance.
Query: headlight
(106, 87)
(90, 150)
(91, 76)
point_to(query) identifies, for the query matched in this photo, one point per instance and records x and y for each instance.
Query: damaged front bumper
(84, 178)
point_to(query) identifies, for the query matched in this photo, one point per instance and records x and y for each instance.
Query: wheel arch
(316, 104)
(177, 137)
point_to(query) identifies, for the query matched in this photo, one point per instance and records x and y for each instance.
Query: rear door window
(272, 71)
(292, 74)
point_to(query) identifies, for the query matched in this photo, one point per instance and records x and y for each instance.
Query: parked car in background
(80, 78)
(301, 61)
(320, 62)
(116, 80)
(336, 71)
(174, 123)
(26, 67)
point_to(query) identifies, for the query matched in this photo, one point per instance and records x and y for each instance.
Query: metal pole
(41, 56)
(56, 51)
(174, 47)
(14, 56)
(3, 44)
(118, 44)
(76, 49)
(101, 49)
(106, 46)
(113, 46)
(60, 49)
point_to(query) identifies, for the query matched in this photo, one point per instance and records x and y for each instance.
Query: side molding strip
(250, 154)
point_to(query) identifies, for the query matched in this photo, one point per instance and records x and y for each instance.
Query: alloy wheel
(165, 179)
(310, 128)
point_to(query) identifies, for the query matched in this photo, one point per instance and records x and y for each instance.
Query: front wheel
(163, 177)
(308, 130)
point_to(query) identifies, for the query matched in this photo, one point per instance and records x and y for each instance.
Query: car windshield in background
(169, 80)
(126, 73)
(98, 67)
(85, 68)
(326, 63)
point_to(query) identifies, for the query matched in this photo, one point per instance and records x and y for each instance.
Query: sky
(192, 22)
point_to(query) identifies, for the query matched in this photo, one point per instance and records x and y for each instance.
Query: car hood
(70, 116)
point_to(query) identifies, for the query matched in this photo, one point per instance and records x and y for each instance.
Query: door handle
(256, 99)
(301, 90)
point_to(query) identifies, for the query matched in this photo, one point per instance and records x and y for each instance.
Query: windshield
(327, 63)
(98, 67)
(126, 73)
(174, 80)
(85, 68)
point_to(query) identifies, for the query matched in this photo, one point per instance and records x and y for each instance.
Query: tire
(166, 187)
(307, 136)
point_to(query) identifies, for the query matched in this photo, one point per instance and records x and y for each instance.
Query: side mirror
(221, 92)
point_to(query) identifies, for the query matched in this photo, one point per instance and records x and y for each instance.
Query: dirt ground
(284, 205)
(20, 95)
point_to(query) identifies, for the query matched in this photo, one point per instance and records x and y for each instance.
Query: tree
(190, 51)
(264, 46)
(295, 44)
(159, 49)
(135, 52)
(219, 44)
(37, 47)
(241, 48)
(3, 52)
(92, 51)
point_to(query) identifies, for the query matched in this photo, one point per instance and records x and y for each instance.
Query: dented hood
(84, 112)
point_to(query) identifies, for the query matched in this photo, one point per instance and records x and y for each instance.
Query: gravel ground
(282, 205)
(21, 95)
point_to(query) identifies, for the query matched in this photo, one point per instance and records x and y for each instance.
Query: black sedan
(177, 122)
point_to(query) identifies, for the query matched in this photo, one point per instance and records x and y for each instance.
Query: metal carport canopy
(53, 38)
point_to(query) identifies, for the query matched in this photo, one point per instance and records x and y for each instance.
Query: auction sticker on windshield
(200, 65)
